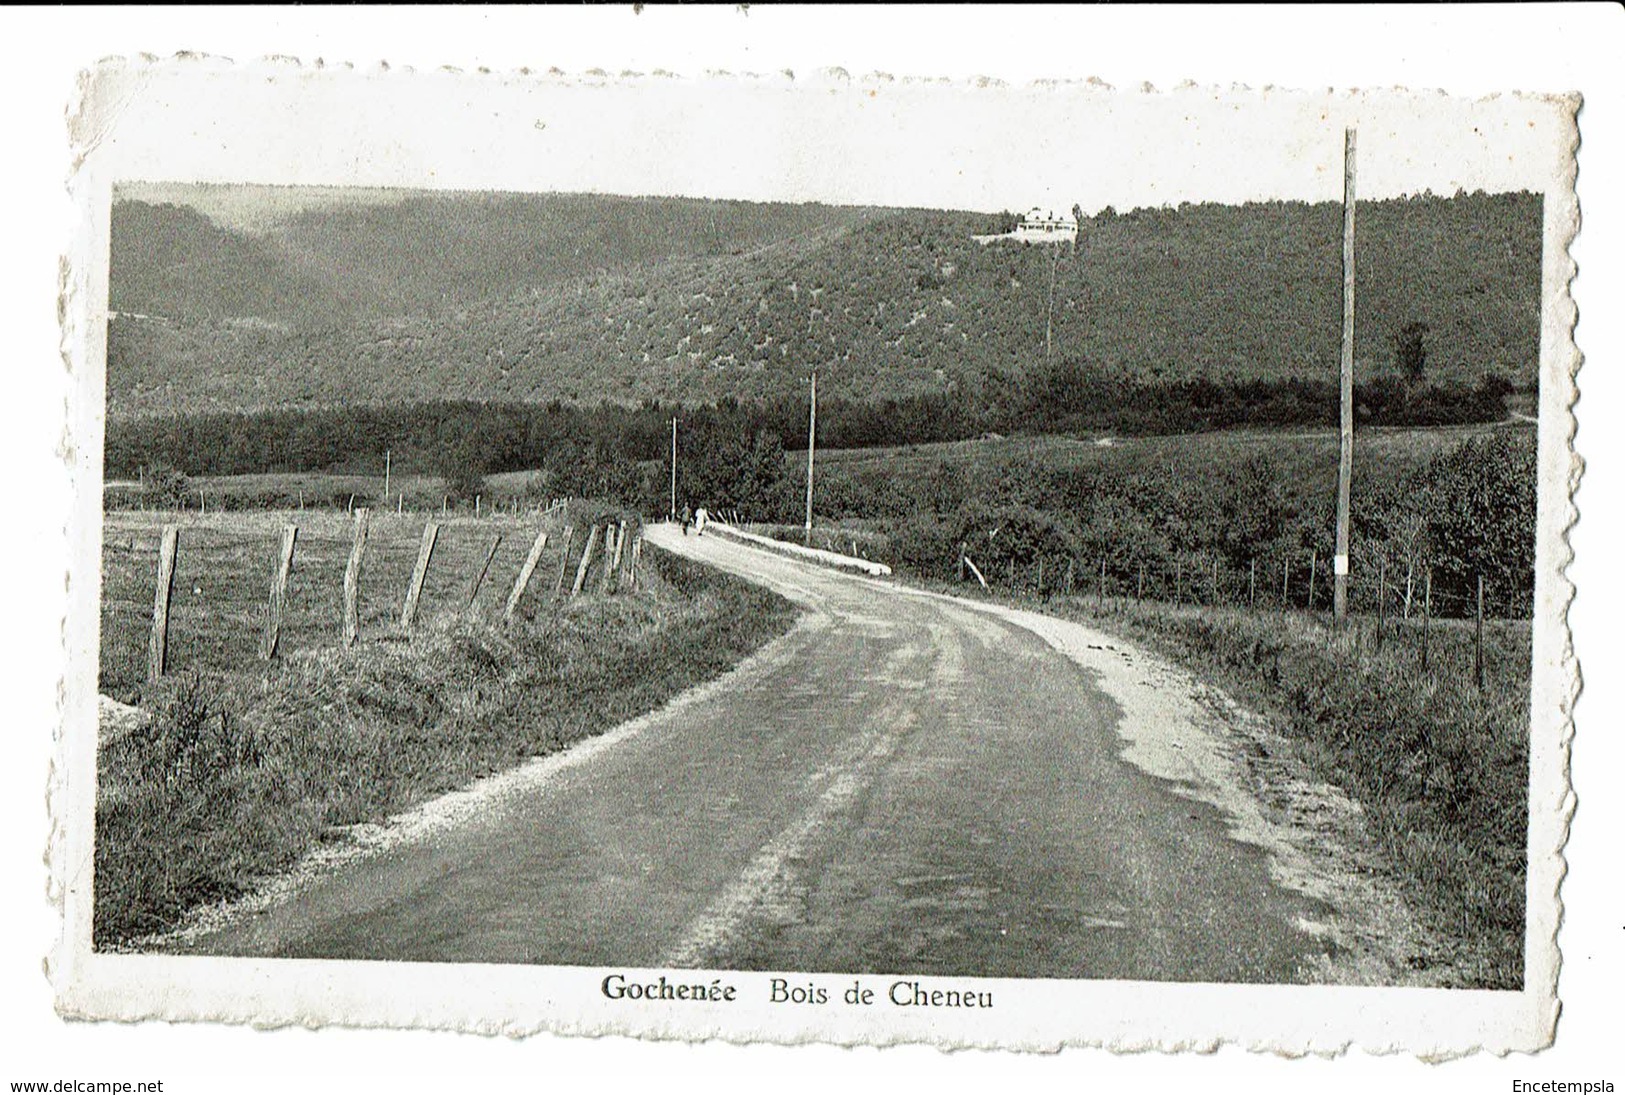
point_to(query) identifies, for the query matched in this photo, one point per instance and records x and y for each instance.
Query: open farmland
(1307, 459)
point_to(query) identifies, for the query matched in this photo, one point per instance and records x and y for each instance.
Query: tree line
(598, 445)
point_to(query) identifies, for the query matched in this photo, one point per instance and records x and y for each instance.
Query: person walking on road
(687, 520)
(700, 518)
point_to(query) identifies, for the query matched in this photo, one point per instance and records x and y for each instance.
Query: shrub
(164, 486)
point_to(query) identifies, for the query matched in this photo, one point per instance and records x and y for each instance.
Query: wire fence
(1407, 606)
(211, 597)
(1281, 584)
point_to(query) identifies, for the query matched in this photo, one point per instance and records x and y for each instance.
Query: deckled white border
(121, 138)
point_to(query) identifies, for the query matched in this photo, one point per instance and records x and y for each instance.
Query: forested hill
(422, 253)
(584, 299)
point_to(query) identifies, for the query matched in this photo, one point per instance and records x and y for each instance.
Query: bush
(192, 739)
(164, 487)
(1480, 510)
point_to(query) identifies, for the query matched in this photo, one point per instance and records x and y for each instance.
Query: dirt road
(904, 783)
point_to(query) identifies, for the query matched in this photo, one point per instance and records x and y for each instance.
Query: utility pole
(673, 514)
(812, 442)
(1345, 455)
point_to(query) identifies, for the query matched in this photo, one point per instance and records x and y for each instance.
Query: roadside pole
(812, 442)
(1345, 452)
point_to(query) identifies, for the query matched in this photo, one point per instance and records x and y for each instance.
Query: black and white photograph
(966, 525)
(818, 557)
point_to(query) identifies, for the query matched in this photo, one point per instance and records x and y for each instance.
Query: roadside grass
(243, 769)
(1440, 768)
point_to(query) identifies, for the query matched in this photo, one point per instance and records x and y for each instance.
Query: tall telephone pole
(812, 441)
(673, 513)
(1345, 454)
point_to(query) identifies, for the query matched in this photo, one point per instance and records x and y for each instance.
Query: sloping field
(1303, 456)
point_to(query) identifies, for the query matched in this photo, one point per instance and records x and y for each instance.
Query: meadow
(223, 576)
(1306, 459)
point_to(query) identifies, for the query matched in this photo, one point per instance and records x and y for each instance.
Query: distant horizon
(256, 207)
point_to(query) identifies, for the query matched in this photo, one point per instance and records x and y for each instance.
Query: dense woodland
(584, 299)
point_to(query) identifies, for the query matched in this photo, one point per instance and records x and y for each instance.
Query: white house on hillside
(1039, 226)
(1046, 226)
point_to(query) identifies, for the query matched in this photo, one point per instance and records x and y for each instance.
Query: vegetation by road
(1440, 767)
(242, 769)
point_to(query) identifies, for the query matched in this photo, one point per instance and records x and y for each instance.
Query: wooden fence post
(1314, 561)
(961, 560)
(479, 577)
(620, 553)
(564, 562)
(525, 572)
(1478, 637)
(279, 593)
(414, 590)
(632, 563)
(158, 643)
(612, 547)
(586, 561)
(1140, 589)
(352, 578)
(1010, 573)
(1071, 564)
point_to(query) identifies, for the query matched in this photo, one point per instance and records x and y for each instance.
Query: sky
(819, 137)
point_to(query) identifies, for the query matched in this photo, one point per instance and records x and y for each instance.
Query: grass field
(223, 576)
(1305, 457)
(333, 490)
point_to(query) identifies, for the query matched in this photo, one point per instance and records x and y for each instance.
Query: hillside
(585, 298)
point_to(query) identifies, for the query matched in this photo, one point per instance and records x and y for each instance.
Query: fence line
(224, 557)
(1383, 605)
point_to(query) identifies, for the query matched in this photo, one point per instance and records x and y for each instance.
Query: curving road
(903, 784)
